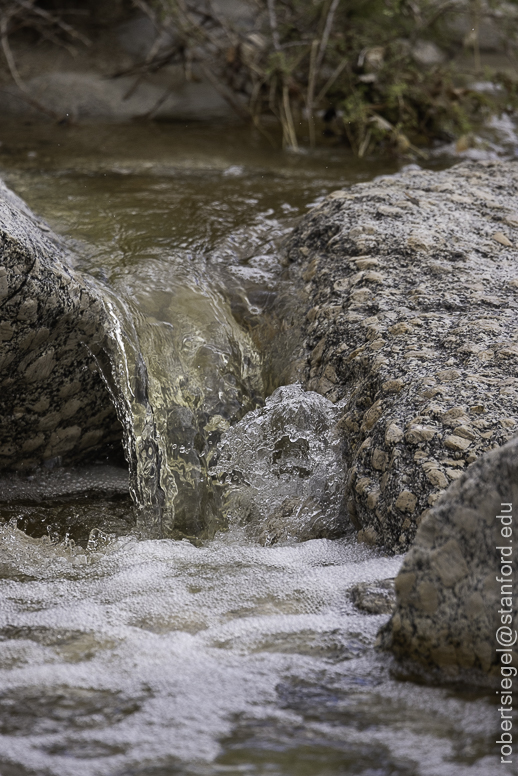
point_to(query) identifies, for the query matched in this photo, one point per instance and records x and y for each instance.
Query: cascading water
(179, 372)
(199, 454)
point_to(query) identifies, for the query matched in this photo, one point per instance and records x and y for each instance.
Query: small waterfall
(178, 384)
(204, 450)
(125, 374)
(197, 328)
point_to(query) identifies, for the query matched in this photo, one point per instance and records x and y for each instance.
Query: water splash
(283, 469)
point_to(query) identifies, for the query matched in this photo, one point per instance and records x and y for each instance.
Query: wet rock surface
(54, 406)
(62, 482)
(449, 597)
(374, 597)
(411, 329)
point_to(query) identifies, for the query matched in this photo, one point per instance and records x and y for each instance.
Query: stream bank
(313, 72)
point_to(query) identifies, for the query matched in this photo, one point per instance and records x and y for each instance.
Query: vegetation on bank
(377, 74)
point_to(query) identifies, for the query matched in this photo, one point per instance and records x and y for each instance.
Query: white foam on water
(155, 651)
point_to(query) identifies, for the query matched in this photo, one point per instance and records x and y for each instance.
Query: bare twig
(271, 96)
(437, 13)
(158, 104)
(326, 34)
(145, 67)
(476, 34)
(330, 81)
(254, 97)
(241, 110)
(311, 92)
(318, 51)
(262, 130)
(364, 144)
(229, 30)
(272, 17)
(288, 130)
(147, 10)
(54, 20)
(149, 67)
(191, 28)
(57, 41)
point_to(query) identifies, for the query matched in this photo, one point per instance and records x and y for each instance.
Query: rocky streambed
(399, 434)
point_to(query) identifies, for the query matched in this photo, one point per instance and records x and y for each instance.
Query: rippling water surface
(120, 655)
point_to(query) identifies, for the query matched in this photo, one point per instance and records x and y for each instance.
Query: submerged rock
(83, 87)
(455, 603)
(80, 96)
(412, 282)
(374, 597)
(54, 406)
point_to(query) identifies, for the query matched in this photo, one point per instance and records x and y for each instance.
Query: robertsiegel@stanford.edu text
(506, 637)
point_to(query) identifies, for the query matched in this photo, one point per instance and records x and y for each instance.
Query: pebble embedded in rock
(502, 238)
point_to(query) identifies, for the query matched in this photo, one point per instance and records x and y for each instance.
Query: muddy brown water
(122, 656)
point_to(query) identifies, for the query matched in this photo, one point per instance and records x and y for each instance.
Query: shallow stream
(235, 652)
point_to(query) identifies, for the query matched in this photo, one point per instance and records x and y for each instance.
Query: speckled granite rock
(454, 588)
(374, 597)
(53, 403)
(412, 326)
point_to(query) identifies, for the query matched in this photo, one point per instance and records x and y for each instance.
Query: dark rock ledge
(412, 326)
(54, 406)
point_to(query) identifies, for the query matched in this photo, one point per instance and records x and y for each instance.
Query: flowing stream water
(232, 645)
